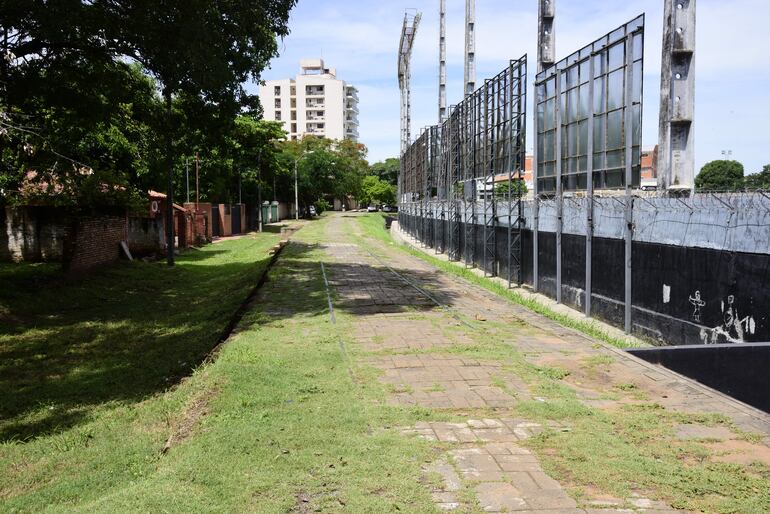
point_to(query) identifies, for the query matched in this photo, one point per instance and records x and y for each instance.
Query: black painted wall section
(738, 370)
(680, 295)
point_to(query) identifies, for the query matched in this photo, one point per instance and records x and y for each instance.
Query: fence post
(559, 189)
(629, 204)
(590, 189)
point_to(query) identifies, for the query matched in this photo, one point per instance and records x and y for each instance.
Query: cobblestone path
(408, 318)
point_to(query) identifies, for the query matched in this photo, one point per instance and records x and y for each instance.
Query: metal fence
(456, 175)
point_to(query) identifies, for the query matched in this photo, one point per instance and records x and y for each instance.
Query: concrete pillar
(676, 146)
(546, 42)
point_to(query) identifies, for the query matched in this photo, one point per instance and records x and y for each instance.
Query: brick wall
(95, 241)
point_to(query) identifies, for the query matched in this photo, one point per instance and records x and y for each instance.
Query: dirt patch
(739, 452)
(183, 429)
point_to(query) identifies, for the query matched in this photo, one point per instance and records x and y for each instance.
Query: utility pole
(259, 191)
(170, 239)
(296, 193)
(197, 182)
(187, 177)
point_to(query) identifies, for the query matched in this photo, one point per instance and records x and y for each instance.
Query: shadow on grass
(117, 335)
(358, 289)
(124, 333)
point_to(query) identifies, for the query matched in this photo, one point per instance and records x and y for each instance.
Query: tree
(375, 191)
(387, 170)
(517, 188)
(759, 180)
(720, 175)
(254, 154)
(203, 49)
(326, 168)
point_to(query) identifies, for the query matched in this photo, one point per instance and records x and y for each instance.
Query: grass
(72, 347)
(279, 422)
(373, 225)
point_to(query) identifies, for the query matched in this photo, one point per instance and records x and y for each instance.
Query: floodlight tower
(470, 46)
(442, 61)
(546, 41)
(408, 32)
(546, 56)
(676, 145)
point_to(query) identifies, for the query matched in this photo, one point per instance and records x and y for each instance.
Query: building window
(277, 90)
(294, 128)
(278, 115)
(277, 103)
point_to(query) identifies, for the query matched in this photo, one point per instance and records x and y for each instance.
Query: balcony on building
(315, 115)
(314, 91)
(351, 93)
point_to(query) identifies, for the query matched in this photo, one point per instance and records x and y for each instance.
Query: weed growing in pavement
(625, 451)
(373, 225)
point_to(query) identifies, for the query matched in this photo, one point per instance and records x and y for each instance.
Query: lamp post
(296, 189)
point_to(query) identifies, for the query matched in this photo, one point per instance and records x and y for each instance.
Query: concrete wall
(700, 266)
(34, 234)
(145, 236)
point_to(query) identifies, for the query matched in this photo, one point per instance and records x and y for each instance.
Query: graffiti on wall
(733, 329)
(698, 304)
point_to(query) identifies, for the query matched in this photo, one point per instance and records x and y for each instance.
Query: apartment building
(315, 102)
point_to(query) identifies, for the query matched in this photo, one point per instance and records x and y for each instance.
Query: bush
(321, 206)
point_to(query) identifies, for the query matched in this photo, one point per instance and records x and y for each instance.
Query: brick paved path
(401, 331)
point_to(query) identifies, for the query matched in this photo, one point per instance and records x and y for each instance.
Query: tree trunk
(170, 185)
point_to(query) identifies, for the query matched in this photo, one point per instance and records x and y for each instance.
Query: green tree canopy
(375, 191)
(387, 170)
(759, 180)
(81, 84)
(517, 188)
(326, 169)
(720, 175)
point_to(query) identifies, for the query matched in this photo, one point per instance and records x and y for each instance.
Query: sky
(360, 39)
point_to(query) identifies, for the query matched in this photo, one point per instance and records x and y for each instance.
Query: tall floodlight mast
(470, 46)
(442, 61)
(676, 146)
(546, 56)
(411, 22)
(546, 41)
(408, 32)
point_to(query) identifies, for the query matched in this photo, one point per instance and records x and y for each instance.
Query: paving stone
(499, 497)
(703, 432)
(391, 315)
